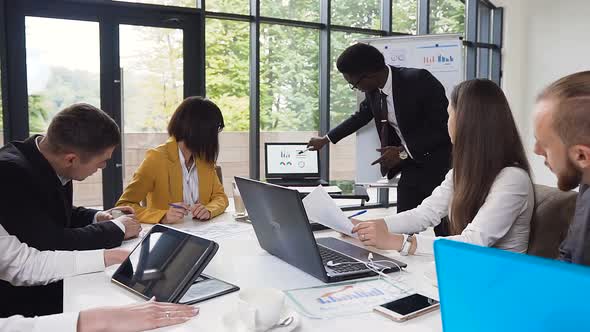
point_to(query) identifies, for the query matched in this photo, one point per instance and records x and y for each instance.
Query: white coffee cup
(260, 308)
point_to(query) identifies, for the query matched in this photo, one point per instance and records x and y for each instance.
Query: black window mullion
(14, 84)
(194, 56)
(255, 90)
(386, 16)
(483, 35)
(497, 24)
(324, 93)
(110, 102)
(423, 17)
(471, 35)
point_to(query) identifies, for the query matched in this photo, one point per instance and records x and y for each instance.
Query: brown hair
(571, 119)
(486, 141)
(83, 129)
(197, 122)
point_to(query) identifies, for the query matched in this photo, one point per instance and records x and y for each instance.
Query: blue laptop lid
(485, 289)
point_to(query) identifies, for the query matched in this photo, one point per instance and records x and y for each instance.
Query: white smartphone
(408, 307)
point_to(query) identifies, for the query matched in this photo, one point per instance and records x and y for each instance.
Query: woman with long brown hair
(488, 195)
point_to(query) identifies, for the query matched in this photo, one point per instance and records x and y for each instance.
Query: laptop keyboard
(336, 257)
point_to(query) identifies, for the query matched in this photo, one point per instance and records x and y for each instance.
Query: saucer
(232, 322)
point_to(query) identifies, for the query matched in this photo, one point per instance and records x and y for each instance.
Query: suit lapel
(204, 185)
(174, 171)
(58, 197)
(396, 88)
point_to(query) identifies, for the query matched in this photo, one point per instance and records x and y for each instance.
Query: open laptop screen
(285, 160)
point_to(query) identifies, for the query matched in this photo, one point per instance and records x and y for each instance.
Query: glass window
(228, 86)
(60, 73)
(484, 21)
(405, 16)
(447, 16)
(289, 87)
(483, 62)
(152, 78)
(357, 13)
(228, 6)
(343, 102)
(300, 10)
(177, 3)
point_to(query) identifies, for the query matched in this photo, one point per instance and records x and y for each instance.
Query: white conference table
(241, 261)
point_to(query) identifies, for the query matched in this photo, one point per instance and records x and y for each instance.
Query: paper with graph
(346, 298)
(321, 208)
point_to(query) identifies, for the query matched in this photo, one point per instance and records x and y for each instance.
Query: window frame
(14, 95)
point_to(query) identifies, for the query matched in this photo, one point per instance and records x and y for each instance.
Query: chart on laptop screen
(291, 159)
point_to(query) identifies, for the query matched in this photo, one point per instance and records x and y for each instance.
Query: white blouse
(190, 181)
(24, 266)
(503, 221)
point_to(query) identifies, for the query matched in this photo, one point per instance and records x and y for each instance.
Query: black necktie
(384, 130)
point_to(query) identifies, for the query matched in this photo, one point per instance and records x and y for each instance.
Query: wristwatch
(406, 245)
(403, 154)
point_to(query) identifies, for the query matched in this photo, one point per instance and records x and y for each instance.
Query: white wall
(543, 41)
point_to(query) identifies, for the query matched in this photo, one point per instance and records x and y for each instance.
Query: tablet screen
(162, 262)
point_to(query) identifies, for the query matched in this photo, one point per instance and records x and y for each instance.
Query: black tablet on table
(167, 264)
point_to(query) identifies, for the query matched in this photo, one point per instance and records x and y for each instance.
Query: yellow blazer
(158, 181)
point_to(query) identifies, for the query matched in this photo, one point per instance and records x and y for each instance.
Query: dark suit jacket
(37, 208)
(420, 108)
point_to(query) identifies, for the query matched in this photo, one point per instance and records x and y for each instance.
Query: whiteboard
(442, 55)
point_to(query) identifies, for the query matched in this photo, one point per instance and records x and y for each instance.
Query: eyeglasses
(355, 85)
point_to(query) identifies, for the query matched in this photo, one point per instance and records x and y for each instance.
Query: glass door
(151, 78)
(60, 73)
(151, 67)
(127, 59)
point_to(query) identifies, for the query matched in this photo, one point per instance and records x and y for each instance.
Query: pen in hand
(358, 214)
(177, 206)
(303, 151)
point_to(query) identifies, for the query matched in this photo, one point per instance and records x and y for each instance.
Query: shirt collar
(387, 89)
(62, 179)
(183, 161)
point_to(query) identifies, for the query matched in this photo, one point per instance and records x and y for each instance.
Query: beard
(570, 178)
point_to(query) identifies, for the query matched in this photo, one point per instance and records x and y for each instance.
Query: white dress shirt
(24, 266)
(65, 181)
(503, 221)
(388, 90)
(190, 181)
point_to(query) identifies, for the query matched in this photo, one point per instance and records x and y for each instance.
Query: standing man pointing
(409, 108)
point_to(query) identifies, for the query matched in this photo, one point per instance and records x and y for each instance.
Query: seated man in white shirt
(488, 195)
(24, 266)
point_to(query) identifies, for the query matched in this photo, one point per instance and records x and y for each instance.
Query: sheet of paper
(219, 230)
(344, 299)
(321, 208)
(329, 189)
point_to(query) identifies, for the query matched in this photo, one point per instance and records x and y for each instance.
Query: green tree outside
(289, 66)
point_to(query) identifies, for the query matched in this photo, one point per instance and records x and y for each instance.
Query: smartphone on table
(408, 307)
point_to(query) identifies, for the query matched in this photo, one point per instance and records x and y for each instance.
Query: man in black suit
(36, 198)
(409, 108)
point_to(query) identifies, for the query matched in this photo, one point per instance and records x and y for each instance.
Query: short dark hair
(360, 59)
(572, 121)
(83, 129)
(197, 122)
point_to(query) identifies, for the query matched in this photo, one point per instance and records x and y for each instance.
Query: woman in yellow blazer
(178, 178)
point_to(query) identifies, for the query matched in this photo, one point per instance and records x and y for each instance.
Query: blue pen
(182, 207)
(358, 213)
